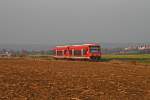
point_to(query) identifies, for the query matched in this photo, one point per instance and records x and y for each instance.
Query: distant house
(6, 54)
(143, 48)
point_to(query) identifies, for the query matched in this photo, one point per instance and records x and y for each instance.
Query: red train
(80, 52)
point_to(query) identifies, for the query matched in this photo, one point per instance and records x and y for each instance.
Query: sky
(74, 21)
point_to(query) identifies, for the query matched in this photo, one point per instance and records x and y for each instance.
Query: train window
(77, 52)
(59, 53)
(70, 52)
(95, 49)
(65, 52)
(84, 51)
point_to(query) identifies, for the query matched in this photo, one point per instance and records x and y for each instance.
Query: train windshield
(94, 49)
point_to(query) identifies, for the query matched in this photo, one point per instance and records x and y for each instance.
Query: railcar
(80, 52)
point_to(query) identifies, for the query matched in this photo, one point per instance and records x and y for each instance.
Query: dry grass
(32, 79)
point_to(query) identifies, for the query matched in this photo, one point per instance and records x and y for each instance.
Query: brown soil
(29, 79)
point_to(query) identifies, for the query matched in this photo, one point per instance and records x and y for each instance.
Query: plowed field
(31, 79)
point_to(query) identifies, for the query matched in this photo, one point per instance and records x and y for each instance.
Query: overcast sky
(67, 21)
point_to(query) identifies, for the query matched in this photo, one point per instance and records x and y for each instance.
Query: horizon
(49, 46)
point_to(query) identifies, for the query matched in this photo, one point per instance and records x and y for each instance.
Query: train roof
(78, 45)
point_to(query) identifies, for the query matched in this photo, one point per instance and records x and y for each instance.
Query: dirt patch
(31, 79)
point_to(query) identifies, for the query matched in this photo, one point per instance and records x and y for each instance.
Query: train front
(95, 52)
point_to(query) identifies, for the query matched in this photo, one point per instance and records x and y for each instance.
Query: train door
(84, 51)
